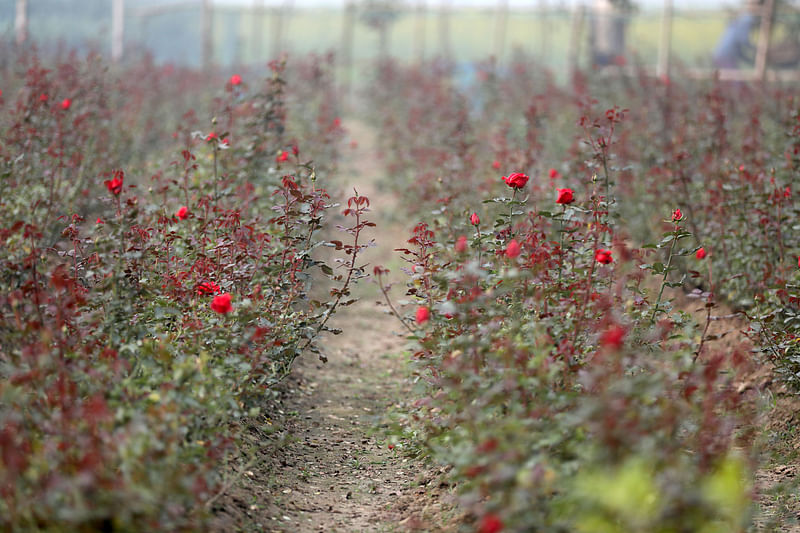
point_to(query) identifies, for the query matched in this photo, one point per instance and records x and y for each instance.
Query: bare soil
(323, 462)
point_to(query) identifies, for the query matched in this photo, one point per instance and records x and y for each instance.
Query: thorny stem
(608, 187)
(561, 243)
(385, 292)
(511, 214)
(480, 244)
(346, 285)
(36, 282)
(666, 273)
(709, 306)
(588, 291)
(216, 176)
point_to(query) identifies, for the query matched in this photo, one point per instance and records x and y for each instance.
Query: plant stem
(397, 315)
(511, 214)
(480, 244)
(561, 243)
(666, 272)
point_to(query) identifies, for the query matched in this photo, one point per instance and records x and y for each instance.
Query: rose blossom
(565, 196)
(516, 180)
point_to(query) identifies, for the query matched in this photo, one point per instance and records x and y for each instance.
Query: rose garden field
(241, 301)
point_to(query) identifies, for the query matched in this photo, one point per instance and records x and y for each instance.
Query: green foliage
(561, 385)
(146, 313)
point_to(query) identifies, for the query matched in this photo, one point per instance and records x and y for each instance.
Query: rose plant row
(161, 240)
(557, 379)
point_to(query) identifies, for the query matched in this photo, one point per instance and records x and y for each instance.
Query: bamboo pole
(348, 33)
(444, 30)
(279, 22)
(206, 25)
(665, 45)
(544, 28)
(419, 31)
(117, 30)
(500, 30)
(21, 23)
(764, 36)
(575, 36)
(258, 29)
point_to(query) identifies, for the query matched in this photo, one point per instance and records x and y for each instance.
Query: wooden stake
(419, 31)
(117, 30)
(21, 23)
(444, 30)
(346, 53)
(764, 36)
(206, 25)
(665, 46)
(279, 21)
(575, 36)
(500, 30)
(258, 29)
(544, 27)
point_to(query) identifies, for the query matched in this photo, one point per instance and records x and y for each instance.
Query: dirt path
(334, 471)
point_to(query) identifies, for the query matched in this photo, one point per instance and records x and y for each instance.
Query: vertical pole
(258, 28)
(665, 46)
(277, 23)
(444, 30)
(764, 36)
(576, 29)
(500, 30)
(206, 23)
(348, 31)
(419, 32)
(544, 25)
(117, 30)
(21, 23)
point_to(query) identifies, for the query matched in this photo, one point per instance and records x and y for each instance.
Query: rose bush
(137, 348)
(558, 381)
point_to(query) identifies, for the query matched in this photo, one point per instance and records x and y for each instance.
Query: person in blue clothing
(734, 46)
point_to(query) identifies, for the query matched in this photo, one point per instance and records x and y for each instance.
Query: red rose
(222, 303)
(603, 256)
(182, 213)
(798, 261)
(43, 97)
(513, 249)
(114, 185)
(423, 314)
(461, 244)
(565, 196)
(787, 192)
(284, 156)
(211, 136)
(701, 253)
(65, 103)
(613, 337)
(207, 287)
(516, 180)
(677, 215)
(553, 173)
(496, 165)
(236, 79)
(474, 219)
(491, 523)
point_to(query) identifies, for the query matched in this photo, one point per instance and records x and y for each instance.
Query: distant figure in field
(607, 34)
(734, 45)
